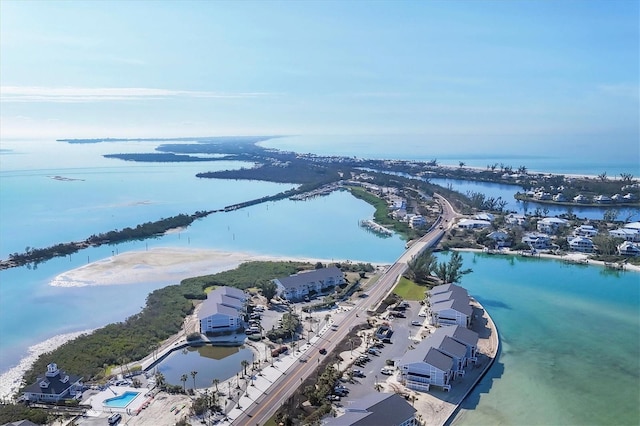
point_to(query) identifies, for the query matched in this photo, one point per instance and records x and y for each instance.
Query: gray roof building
(459, 305)
(322, 275)
(54, 386)
(376, 409)
(444, 288)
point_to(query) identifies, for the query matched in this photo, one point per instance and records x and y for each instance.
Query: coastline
(11, 379)
(136, 267)
(165, 264)
(573, 257)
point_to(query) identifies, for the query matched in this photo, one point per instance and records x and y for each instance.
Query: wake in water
(10, 380)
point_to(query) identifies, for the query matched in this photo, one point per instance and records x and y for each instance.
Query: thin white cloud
(624, 90)
(101, 94)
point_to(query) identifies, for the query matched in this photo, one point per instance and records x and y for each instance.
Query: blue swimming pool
(120, 401)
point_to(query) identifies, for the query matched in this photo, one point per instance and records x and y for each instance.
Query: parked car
(373, 351)
(386, 371)
(333, 397)
(416, 322)
(358, 373)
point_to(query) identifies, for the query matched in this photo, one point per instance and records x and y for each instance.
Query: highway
(266, 405)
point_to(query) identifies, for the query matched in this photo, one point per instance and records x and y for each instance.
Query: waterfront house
(617, 198)
(500, 237)
(536, 240)
(55, 386)
(560, 198)
(629, 249)
(462, 335)
(375, 409)
(451, 312)
(445, 288)
(602, 199)
(417, 221)
(484, 216)
(585, 231)
(580, 199)
(448, 346)
(419, 370)
(627, 234)
(551, 225)
(224, 300)
(581, 244)
(456, 292)
(473, 224)
(296, 287)
(515, 219)
(629, 198)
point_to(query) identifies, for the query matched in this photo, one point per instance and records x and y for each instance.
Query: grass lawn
(409, 290)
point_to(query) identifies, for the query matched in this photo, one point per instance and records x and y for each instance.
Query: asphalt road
(265, 406)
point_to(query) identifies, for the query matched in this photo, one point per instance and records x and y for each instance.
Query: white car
(416, 322)
(386, 371)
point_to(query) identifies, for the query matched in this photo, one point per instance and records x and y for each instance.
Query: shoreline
(166, 264)
(137, 267)
(11, 379)
(573, 256)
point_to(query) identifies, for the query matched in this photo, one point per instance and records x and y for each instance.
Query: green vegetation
(165, 309)
(247, 275)
(381, 215)
(409, 290)
(16, 412)
(34, 256)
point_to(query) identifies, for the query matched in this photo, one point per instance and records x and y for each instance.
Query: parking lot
(401, 341)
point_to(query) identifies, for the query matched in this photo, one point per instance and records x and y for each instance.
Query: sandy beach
(165, 264)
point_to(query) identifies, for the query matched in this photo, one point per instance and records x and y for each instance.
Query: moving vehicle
(323, 351)
(416, 322)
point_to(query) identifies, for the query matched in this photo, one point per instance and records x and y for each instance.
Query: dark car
(323, 351)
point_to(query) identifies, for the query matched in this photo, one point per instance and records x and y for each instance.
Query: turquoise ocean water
(570, 333)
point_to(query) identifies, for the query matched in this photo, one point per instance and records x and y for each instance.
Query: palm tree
(244, 365)
(184, 379)
(215, 383)
(160, 380)
(193, 374)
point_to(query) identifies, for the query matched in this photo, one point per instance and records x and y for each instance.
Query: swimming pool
(120, 401)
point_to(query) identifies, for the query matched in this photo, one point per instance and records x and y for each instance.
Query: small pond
(211, 362)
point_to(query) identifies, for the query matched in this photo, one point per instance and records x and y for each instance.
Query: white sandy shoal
(164, 264)
(10, 380)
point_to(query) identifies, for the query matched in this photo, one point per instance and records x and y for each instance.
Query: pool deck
(97, 400)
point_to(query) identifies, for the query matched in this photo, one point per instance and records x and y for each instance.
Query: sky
(555, 69)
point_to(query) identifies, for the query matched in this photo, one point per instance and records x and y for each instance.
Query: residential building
(222, 310)
(551, 225)
(376, 409)
(485, 216)
(444, 288)
(450, 347)
(629, 198)
(585, 231)
(462, 335)
(296, 287)
(500, 237)
(515, 219)
(629, 249)
(581, 244)
(602, 199)
(451, 312)
(55, 386)
(581, 199)
(419, 369)
(456, 292)
(473, 224)
(627, 234)
(537, 241)
(560, 197)
(417, 221)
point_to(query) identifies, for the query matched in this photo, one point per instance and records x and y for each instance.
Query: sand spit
(165, 264)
